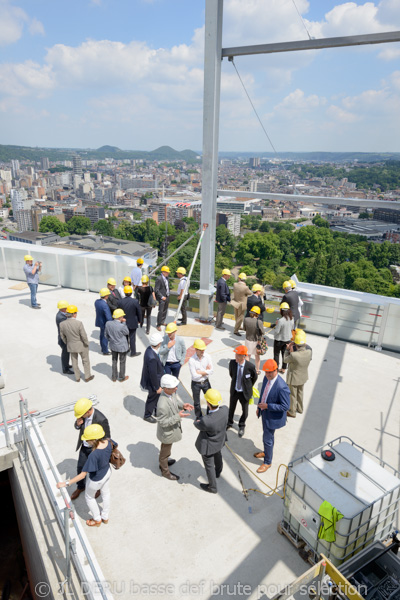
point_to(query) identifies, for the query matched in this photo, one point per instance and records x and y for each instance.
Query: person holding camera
(32, 272)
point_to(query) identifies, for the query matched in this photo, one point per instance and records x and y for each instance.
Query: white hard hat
(169, 381)
(156, 338)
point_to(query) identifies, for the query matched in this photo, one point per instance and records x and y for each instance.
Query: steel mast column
(211, 106)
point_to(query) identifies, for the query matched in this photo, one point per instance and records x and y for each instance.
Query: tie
(266, 390)
(239, 378)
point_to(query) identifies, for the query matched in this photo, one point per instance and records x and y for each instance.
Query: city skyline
(132, 76)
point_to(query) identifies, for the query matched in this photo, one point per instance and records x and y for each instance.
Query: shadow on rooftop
(54, 362)
(384, 421)
(144, 455)
(134, 405)
(103, 368)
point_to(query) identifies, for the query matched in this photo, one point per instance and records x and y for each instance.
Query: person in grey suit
(170, 411)
(211, 438)
(73, 334)
(117, 334)
(161, 290)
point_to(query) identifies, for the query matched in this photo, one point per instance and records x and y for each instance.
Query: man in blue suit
(272, 407)
(103, 314)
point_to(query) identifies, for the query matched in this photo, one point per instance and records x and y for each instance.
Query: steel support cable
(272, 490)
(259, 120)
(302, 20)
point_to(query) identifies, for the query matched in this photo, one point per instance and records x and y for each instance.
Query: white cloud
(12, 22)
(336, 113)
(297, 103)
(25, 78)
(36, 27)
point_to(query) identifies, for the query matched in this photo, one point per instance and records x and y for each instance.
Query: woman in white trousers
(97, 467)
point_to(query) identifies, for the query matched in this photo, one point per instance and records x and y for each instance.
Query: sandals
(93, 523)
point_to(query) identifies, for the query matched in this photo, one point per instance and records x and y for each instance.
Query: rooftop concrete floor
(167, 533)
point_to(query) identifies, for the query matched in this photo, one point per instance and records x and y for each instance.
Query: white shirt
(121, 291)
(195, 364)
(166, 283)
(182, 285)
(271, 384)
(172, 355)
(136, 275)
(88, 422)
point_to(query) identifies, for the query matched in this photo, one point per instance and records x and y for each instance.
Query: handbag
(262, 346)
(116, 459)
(151, 302)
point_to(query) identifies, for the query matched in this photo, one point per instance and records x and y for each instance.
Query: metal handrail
(60, 515)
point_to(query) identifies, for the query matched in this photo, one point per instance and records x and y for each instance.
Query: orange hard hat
(270, 365)
(241, 350)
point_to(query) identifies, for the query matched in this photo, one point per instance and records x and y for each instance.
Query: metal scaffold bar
(314, 44)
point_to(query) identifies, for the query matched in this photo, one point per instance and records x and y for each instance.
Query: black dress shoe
(106, 353)
(206, 488)
(68, 372)
(150, 419)
(171, 461)
(218, 474)
(171, 477)
(238, 334)
(241, 432)
(135, 354)
(229, 426)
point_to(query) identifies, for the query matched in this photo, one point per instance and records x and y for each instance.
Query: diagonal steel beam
(314, 44)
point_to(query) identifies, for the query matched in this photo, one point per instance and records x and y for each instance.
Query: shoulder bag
(116, 459)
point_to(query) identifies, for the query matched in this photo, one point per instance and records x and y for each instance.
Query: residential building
(94, 213)
(231, 221)
(45, 164)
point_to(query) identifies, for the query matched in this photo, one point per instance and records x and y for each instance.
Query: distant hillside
(317, 156)
(8, 153)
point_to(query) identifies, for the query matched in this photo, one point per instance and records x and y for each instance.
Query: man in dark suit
(133, 316)
(243, 376)
(223, 296)
(256, 300)
(292, 298)
(60, 317)
(152, 372)
(161, 290)
(211, 438)
(114, 297)
(86, 415)
(272, 407)
(103, 314)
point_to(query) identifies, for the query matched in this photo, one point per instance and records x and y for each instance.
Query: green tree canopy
(79, 225)
(52, 224)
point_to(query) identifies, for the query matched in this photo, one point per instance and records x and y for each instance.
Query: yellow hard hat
(62, 304)
(104, 292)
(284, 306)
(270, 309)
(127, 278)
(111, 281)
(118, 312)
(213, 397)
(165, 269)
(286, 284)
(181, 270)
(300, 337)
(242, 276)
(199, 344)
(145, 279)
(81, 407)
(292, 283)
(256, 309)
(171, 327)
(28, 257)
(226, 272)
(93, 432)
(128, 289)
(139, 261)
(257, 288)
(72, 309)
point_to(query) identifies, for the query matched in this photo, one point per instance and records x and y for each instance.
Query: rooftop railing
(361, 318)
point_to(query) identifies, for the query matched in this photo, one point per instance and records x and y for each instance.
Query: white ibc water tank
(363, 488)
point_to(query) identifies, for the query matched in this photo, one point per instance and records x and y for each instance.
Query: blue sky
(130, 73)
